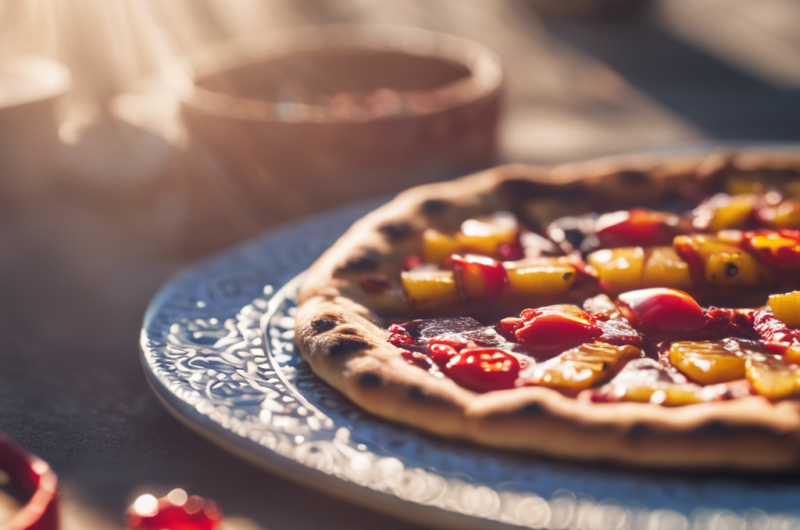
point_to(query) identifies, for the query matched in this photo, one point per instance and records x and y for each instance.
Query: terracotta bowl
(30, 89)
(339, 113)
(36, 483)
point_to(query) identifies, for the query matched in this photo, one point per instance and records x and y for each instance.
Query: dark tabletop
(80, 263)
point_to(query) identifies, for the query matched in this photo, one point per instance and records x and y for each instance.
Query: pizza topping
(786, 308)
(773, 377)
(617, 229)
(779, 250)
(457, 332)
(511, 251)
(428, 290)
(441, 353)
(581, 367)
(715, 261)
(621, 268)
(647, 381)
(638, 227)
(565, 347)
(399, 336)
(552, 329)
(772, 330)
(375, 283)
(555, 328)
(485, 235)
(437, 247)
(540, 281)
(480, 277)
(411, 262)
(534, 245)
(660, 309)
(722, 212)
(663, 267)
(508, 327)
(483, 369)
(619, 332)
(420, 360)
(573, 233)
(711, 362)
(785, 214)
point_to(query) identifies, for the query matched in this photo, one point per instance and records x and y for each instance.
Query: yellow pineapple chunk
(540, 281)
(428, 290)
(772, 242)
(792, 355)
(786, 214)
(582, 367)
(484, 235)
(437, 247)
(743, 184)
(772, 377)
(678, 396)
(732, 212)
(735, 268)
(669, 396)
(620, 267)
(647, 381)
(710, 362)
(786, 308)
(792, 188)
(725, 263)
(664, 268)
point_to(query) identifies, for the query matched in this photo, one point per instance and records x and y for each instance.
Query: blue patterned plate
(217, 345)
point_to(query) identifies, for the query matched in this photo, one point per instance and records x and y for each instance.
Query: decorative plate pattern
(218, 347)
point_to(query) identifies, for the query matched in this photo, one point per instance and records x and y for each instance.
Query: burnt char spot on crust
(323, 324)
(634, 178)
(533, 409)
(522, 189)
(639, 430)
(370, 380)
(574, 236)
(417, 394)
(346, 346)
(434, 206)
(715, 428)
(396, 231)
(366, 262)
(525, 189)
(719, 428)
(420, 395)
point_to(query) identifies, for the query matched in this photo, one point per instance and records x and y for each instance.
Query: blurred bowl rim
(485, 79)
(55, 78)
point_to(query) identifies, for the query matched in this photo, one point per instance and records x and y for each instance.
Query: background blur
(115, 172)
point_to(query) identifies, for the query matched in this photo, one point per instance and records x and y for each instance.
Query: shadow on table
(723, 101)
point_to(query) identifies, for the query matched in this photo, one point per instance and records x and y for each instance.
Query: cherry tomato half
(483, 369)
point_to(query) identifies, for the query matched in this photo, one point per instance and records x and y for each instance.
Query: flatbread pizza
(639, 310)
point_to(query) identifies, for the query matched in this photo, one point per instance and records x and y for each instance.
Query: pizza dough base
(341, 333)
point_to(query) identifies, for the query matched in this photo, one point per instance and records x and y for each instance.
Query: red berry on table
(176, 511)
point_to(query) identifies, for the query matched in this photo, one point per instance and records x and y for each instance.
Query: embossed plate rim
(258, 454)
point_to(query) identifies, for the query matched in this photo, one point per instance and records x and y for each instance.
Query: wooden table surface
(79, 264)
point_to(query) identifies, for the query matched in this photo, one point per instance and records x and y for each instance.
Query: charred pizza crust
(340, 328)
